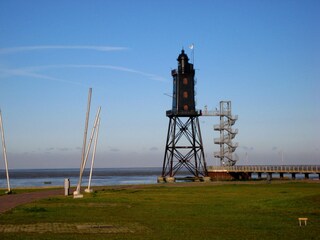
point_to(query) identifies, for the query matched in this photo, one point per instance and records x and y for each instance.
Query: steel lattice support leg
(184, 148)
(168, 156)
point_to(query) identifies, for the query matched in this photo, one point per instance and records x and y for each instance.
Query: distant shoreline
(180, 184)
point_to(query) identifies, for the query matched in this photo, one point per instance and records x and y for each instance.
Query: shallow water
(100, 177)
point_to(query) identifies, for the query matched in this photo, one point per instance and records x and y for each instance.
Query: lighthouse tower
(184, 148)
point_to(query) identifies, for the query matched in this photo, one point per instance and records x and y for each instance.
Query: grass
(202, 211)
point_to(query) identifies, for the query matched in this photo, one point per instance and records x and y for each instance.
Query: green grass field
(177, 211)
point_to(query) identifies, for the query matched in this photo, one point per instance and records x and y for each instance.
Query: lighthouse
(184, 147)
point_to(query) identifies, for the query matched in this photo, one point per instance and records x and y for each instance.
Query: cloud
(57, 47)
(64, 149)
(153, 149)
(114, 150)
(247, 148)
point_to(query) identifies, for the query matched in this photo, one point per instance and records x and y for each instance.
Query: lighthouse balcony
(183, 113)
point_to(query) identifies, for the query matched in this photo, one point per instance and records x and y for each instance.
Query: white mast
(86, 128)
(77, 194)
(93, 157)
(4, 153)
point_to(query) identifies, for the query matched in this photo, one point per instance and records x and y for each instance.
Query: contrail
(117, 68)
(49, 47)
(32, 72)
(24, 73)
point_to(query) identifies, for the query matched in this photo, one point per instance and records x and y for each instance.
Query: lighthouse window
(185, 107)
(185, 94)
(185, 81)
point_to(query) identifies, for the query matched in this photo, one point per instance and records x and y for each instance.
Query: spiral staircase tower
(227, 134)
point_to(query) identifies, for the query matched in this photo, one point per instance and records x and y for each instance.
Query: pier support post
(293, 176)
(281, 175)
(306, 176)
(259, 175)
(269, 176)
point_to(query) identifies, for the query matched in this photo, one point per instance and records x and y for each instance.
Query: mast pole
(86, 128)
(84, 139)
(77, 192)
(93, 156)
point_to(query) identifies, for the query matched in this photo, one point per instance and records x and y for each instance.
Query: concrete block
(170, 179)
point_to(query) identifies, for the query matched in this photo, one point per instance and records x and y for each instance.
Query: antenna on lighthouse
(192, 52)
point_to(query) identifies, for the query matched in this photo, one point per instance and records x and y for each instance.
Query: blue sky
(264, 56)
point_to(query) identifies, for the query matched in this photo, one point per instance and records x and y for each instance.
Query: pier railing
(267, 169)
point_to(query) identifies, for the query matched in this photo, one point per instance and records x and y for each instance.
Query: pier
(245, 172)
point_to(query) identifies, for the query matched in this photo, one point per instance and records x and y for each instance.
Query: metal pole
(201, 148)
(166, 157)
(86, 128)
(93, 156)
(194, 147)
(91, 136)
(84, 137)
(173, 138)
(87, 153)
(4, 153)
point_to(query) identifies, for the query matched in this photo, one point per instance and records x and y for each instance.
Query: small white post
(89, 190)
(66, 186)
(4, 153)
